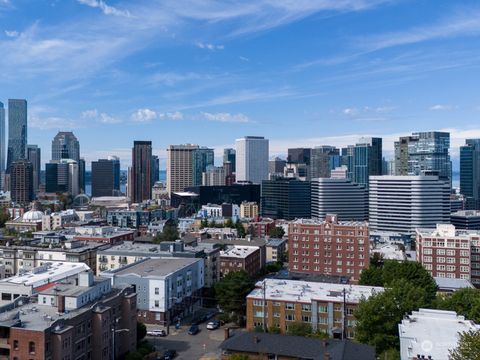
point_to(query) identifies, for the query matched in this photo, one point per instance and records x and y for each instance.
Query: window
(322, 308)
(157, 303)
(15, 344)
(289, 306)
(157, 291)
(306, 307)
(290, 317)
(31, 347)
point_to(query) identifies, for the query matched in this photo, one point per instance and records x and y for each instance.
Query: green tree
(239, 357)
(468, 347)
(231, 292)
(240, 229)
(276, 232)
(203, 223)
(141, 331)
(391, 270)
(4, 216)
(299, 328)
(464, 302)
(378, 316)
(229, 223)
(169, 233)
(134, 356)
(390, 354)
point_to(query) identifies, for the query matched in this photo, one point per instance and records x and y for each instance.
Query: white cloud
(441, 107)
(172, 78)
(106, 9)
(350, 111)
(52, 122)
(243, 58)
(226, 117)
(90, 113)
(210, 46)
(466, 24)
(176, 115)
(144, 115)
(12, 33)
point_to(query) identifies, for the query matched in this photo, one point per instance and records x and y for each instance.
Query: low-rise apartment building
(280, 303)
(167, 288)
(450, 253)
(237, 258)
(276, 249)
(329, 247)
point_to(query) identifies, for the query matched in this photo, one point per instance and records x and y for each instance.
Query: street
(204, 345)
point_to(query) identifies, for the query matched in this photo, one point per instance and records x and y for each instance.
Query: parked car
(212, 325)
(193, 330)
(160, 333)
(169, 354)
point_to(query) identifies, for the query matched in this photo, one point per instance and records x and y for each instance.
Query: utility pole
(264, 305)
(344, 330)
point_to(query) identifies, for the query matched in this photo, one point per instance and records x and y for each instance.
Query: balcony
(4, 344)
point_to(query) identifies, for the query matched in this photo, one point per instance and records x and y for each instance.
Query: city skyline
(333, 74)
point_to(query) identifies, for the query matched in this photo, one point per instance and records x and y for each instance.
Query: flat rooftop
(130, 248)
(306, 291)
(276, 242)
(84, 246)
(452, 284)
(467, 213)
(240, 252)
(321, 221)
(50, 272)
(153, 268)
(70, 289)
(431, 333)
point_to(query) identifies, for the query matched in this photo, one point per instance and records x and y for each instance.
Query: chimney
(256, 340)
(61, 303)
(226, 333)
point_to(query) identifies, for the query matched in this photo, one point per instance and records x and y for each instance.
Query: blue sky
(302, 73)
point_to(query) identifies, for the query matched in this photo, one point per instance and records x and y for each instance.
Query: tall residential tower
(17, 130)
(251, 159)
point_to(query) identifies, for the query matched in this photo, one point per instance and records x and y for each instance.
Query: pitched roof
(297, 346)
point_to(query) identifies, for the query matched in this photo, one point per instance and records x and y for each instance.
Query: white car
(212, 325)
(156, 333)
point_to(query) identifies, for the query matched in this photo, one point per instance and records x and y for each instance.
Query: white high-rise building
(251, 159)
(404, 203)
(2, 144)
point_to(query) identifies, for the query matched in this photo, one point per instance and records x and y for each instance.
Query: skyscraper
(347, 158)
(141, 171)
(251, 159)
(180, 167)
(155, 169)
(81, 175)
(21, 177)
(202, 158)
(62, 176)
(286, 198)
(367, 159)
(470, 173)
(401, 154)
(65, 146)
(106, 177)
(429, 154)
(17, 130)
(2, 140)
(229, 156)
(34, 156)
(299, 155)
(323, 160)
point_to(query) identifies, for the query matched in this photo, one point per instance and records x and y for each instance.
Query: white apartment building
(251, 159)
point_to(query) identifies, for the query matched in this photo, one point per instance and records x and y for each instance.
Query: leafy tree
(211, 224)
(239, 357)
(240, 229)
(378, 316)
(141, 331)
(134, 356)
(390, 354)
(276, 232)
(4, 216)
(464, 302)
(468, 347)
(274, 330)
(319, 335)
(203, 223)
(274, 267)
(391, 270)
(299, 328)
(229, 223)
(231, 292)
(169, 233)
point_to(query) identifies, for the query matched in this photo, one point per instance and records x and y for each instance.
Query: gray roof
(298, 347)
(157, 267)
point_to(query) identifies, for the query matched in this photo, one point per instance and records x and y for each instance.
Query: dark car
(193, 330)
(169, 354)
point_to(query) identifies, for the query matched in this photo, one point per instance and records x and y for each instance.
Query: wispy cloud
(226, 117)
(52, 122)
(102, 118)
(106, 9)
(441, 107)
(209, 46)
(175, 115)
(11, 33)
(172, 78)
(464, 24)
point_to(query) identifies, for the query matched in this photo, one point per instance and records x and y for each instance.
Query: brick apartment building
(70, 321)
(329, 247)
(237, 257)
(450, 253)
(320, 305)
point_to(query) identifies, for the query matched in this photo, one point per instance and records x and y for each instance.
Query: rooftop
(452, 284)
(306, 292)
(321, 222)
(448, 231)
(47, 273)
(276, 242)
(130, 248)
(240, 252)
(154, 268)
(431, 333)
(467, 213)
(297, 346)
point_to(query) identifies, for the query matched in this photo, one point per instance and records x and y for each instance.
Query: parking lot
(204, 345)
